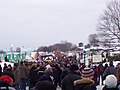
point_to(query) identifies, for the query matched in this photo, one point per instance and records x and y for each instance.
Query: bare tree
(87, 45)
(1, 51)
(63, 46)
(93, 40)
(109, 23)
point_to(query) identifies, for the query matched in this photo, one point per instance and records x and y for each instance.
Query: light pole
(84, 53)
(12, 53)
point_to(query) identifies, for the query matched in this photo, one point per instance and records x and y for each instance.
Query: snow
(114, 63)
(2, 64)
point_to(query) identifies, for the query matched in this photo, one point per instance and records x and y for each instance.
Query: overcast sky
(34, 23)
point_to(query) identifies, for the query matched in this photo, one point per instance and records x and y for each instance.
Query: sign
(97, 58)
(80, 44)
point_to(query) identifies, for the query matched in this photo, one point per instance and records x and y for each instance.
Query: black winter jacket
(68, 81)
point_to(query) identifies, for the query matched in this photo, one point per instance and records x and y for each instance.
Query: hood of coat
(86, 81)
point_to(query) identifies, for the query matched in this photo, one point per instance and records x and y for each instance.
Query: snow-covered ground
(114, 63)
(2, 63)
(99, 87)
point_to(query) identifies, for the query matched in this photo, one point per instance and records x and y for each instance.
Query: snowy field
(2, 63)
(114, 63)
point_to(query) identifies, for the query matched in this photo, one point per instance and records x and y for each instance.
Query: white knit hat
(111, 81)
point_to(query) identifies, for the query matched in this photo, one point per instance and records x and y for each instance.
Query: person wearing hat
(110, 83)
(6, 83)
(48, 75)
(86, 83)
(56, 75)
(68, 80)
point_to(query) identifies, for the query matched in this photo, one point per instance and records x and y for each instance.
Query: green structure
(17, 57)
(9, 57)
(23, 57)
(4, 54)
(13, 58)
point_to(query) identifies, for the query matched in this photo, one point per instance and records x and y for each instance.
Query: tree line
(62, 46)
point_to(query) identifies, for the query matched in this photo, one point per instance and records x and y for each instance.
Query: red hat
(7, 79)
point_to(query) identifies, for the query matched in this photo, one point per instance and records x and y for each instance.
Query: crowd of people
(67, 76)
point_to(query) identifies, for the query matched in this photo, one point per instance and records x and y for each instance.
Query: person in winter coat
(100, 71)
(23, 76)
(5, 66)
(110, 70)
(68, 81)
(47, 76)
(44, 85)
(110, 83)
(65, 71)
(32, 76)
(8, 72)
(16, 76)
(57, 75)
(86, 83)
(0, 70)
(95, 75)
